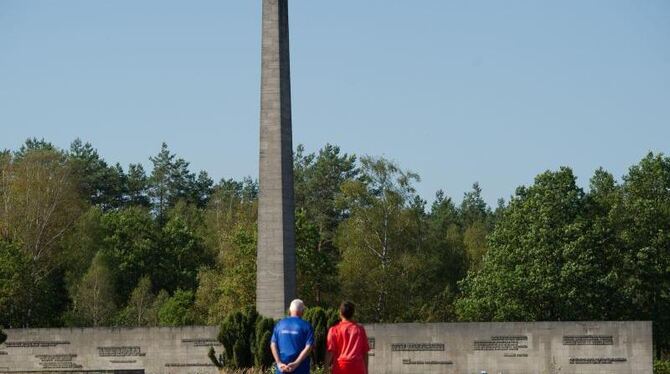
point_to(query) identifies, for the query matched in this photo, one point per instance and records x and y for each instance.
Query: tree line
(87, 243)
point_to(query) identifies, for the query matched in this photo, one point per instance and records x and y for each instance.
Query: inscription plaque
(515, 355)
(417, 347)
(35, 344)
(63, 357)
(120, 351)
(58, 361)
(182, 365)
(501, 343)
(588, 340)
(202, 342)
(430, 362)
(597, 361)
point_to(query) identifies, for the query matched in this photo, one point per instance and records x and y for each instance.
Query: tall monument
(276, 265)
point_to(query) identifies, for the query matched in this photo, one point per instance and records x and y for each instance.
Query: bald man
(292, 341)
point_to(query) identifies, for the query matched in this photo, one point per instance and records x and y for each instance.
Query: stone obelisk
(276, 263)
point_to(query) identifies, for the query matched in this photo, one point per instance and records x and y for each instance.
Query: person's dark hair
(347, 309)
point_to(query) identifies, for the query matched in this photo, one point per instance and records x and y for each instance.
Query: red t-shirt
(348, 343)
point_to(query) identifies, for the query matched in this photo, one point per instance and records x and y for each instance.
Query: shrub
(3, 336)
(246, 337)
(319, 370)
(333, 317)
(318, 319)
(262, 353)
(662, 367)
(212, 356)
(321, 320)
(237, 335)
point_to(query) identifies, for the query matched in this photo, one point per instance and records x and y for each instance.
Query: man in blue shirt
(292, 341)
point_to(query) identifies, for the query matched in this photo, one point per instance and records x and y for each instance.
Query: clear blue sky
(458, 91)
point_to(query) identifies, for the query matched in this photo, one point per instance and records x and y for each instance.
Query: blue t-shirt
(292, 335)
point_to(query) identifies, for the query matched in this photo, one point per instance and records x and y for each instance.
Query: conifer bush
(321, 320)
(661, 367)
(317, 317)
(237, 335)
(333, 317)
(262, 353)
(246, 337)
(212, 356)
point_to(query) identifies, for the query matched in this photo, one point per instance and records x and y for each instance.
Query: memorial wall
(180, 350)
(495, 348)
(512, 348)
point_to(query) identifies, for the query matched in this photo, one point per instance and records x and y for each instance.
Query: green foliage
(645, 232)
(137, 246)
(558, 253)
(661, 367)
(379, 240)
(81, 244)
(100, 184)
(246, 337)
(333, 317)
(319, 178)
(445, 261)
(16, 282)
(263, 335)
(3, 336)
(318, 318)
(161, 299)
(93, 299)
(539, 265)
(474, 241)
(317, 270)
(139, 310)
(130, 238)
(171, 181)
(473, 207)
(182, 254)
(232, 283)
(137, 185)
(70, 220)
(237, 335)
(34, 145)
(241, 357)
(230, 229)
(40, 203)
(215, 360)
(176, 311)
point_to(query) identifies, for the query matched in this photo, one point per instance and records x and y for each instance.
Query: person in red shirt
(347, 344)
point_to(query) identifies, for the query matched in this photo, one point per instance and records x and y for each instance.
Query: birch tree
(377, 239)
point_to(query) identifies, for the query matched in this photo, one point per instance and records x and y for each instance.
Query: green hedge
(246, 336)
(661, 367)
(237, 334)
(321, 320)
(262, 353)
